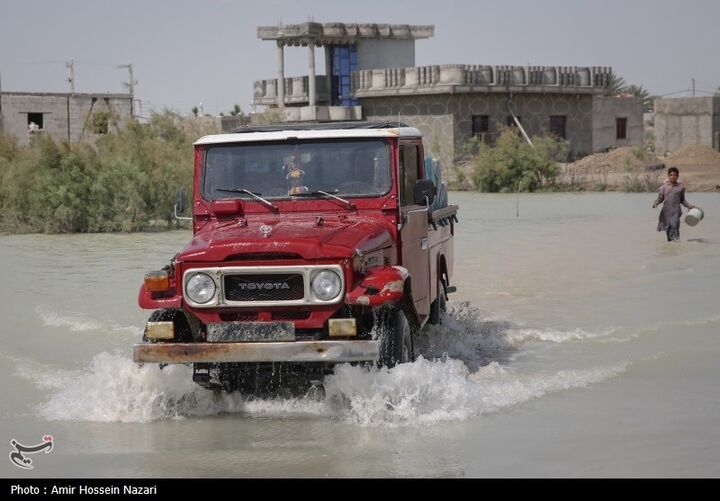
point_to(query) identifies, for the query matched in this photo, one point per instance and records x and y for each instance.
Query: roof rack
(320, 126)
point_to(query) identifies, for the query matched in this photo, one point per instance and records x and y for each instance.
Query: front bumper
(290, 352)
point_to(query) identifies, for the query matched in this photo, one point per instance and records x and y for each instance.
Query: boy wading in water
(671, 195)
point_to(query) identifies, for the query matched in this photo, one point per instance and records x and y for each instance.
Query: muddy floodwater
(578, 343)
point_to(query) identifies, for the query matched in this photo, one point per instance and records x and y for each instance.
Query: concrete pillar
(311, 68)
(281, 77)
(328, 72)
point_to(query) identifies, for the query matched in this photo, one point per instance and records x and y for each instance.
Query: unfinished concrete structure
(371, 74)
(348, 48)
(686, 120)
(70, 117)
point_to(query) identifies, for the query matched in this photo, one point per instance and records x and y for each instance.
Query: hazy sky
(189, 51)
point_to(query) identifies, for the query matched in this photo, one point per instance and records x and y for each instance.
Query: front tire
(396, 345)
(183, 334)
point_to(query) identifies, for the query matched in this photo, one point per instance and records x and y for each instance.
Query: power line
(672, 93)
(704, 83)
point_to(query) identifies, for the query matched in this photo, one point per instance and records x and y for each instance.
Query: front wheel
(396, 346)
(183, 333)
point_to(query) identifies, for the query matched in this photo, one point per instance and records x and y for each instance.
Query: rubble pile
(693, 155)
(615, 161)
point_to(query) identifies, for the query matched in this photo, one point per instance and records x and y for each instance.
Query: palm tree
(641, 92)
(236, 110)
(617, 84)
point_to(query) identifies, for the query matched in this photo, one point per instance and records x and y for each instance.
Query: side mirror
(424, 192)
(180, 204)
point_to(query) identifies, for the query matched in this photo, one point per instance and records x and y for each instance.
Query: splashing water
(461, 372)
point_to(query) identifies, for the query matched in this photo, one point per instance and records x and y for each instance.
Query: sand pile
(617, 160)
(693, 155)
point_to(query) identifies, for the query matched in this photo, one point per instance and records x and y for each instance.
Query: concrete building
(686, 120)
(370, 74)
(69, 117)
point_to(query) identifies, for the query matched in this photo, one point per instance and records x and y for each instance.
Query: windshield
(280, 170)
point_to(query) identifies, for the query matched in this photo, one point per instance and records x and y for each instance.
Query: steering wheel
(355, 187)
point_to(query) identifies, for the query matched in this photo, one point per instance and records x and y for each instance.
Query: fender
(147, 302)
(382, 285)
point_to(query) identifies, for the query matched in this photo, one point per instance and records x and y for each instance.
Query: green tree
(513, 164)
(618, 87)
(126, 181)
(643, 93)
(236, 111)
(617, 84)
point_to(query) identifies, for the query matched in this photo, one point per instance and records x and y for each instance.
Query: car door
(414, 230)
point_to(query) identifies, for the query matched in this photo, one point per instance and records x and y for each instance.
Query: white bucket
(694, 216)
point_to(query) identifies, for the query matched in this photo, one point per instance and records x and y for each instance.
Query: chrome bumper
(290, 352)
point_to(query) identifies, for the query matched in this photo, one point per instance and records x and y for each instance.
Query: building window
(37, 119)
(100, 122)
(621, 128)
(557, 126)
(344, 62)
(408, 172)
(510, 122)
(480, 124)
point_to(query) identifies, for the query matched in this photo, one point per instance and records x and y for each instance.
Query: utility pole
(693, 87)
(71, 66)
(2, 126)
(130, 84)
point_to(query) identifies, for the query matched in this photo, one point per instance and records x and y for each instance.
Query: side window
(408, 172)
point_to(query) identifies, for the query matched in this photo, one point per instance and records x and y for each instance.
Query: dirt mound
(693, 154)
(617, 160)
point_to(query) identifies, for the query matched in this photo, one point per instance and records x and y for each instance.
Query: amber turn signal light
(157, 281)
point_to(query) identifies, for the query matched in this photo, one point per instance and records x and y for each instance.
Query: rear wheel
(438, 307)
(396, 346)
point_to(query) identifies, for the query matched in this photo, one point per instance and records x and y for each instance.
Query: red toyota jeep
(312, 245)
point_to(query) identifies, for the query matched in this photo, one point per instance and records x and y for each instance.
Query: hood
(335, 237)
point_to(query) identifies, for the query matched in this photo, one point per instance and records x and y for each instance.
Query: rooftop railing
(377, 81)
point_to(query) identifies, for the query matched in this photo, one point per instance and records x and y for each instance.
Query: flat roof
(67, 94)
(331, 131)
(342, 33)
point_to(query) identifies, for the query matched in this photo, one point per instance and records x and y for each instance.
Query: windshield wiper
(255, 196)
(347, 203)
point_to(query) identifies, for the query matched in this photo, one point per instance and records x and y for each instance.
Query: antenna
(1, 113)
(130, 84)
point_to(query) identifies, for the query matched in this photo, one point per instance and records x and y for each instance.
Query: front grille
(243, 316)
(264, 287)
(290, 315)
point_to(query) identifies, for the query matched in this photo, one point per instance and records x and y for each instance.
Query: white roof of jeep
(312, 131)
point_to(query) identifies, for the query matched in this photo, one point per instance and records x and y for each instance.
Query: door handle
(424, 243)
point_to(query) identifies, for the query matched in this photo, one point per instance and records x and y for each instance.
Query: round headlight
(326, 285)
(200, 288)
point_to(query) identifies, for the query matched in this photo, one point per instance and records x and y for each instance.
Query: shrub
(512, 164)
(125, 182)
